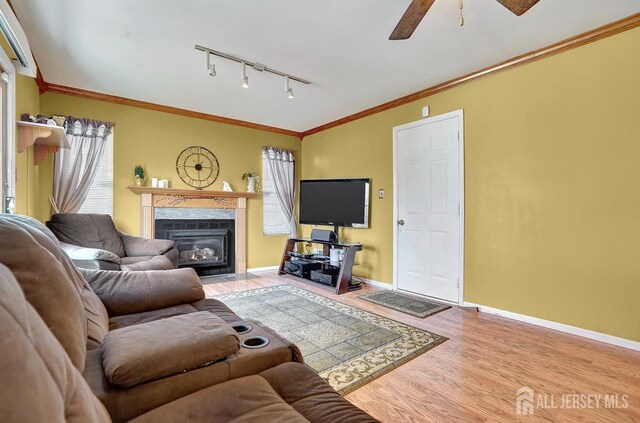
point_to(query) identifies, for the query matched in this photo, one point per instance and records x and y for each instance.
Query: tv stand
(343, 283)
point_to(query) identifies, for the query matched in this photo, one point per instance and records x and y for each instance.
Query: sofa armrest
(136, 246)
(150, 351)
(137, 292)
(76, 252)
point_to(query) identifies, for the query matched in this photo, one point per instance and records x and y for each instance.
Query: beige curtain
(75, 168)
(282, 169)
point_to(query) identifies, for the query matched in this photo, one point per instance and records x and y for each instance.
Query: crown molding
(42, 84)
(605, 31)
(92, 95)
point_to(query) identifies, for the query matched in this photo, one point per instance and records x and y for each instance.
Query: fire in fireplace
(200, 247)
(204, 245)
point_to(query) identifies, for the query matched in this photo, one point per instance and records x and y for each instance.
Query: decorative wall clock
(197, 167)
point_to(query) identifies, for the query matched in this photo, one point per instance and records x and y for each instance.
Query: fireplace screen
(200, 247)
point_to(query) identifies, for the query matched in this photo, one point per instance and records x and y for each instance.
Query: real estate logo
(527, 401)
(524, 401)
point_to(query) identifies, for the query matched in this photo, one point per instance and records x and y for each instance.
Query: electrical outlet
(381, 193)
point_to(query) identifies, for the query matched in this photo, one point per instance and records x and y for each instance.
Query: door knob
(400, 222)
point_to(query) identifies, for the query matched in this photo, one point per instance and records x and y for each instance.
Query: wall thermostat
(425, 111)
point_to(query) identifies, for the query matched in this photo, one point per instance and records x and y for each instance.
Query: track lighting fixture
(244, 63)
(288, 90)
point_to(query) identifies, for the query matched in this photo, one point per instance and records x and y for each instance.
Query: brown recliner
(93, 242)
(170, 341)
(41, 384)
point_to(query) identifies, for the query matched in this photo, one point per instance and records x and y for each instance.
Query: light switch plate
(381, 193)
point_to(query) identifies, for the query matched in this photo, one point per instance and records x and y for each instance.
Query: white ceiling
(143, 49)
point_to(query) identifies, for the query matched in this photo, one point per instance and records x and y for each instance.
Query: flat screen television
(336, 202)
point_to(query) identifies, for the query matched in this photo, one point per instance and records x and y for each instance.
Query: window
(100, 197)
(274, 221)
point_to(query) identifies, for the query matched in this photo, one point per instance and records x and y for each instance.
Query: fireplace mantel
(196, 193)
(153, 198)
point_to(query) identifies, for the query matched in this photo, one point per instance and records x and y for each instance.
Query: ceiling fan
(418, 8)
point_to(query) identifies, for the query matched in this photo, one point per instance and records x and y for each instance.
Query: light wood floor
(474, 376)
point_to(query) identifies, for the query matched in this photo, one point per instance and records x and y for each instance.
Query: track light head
(212, 70)
(287, 89)
(245, 79)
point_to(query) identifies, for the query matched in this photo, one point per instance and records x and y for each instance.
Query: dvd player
(301, 267)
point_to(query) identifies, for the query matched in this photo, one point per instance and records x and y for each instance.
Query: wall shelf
(45, 139)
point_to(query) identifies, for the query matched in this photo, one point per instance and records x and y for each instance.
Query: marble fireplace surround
(169, 201)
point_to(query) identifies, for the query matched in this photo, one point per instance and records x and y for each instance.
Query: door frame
(460, 115)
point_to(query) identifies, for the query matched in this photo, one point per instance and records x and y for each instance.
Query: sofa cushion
(211, 305)
(52, 284)
(146, 263)
(141, 353)
(137, 292)
(40, 382)
(263, 398)
(137, 246)
(246, 400)
(87, 230)
(96, 265)
(75, 252)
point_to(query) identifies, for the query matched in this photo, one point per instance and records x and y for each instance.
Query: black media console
(319, 268)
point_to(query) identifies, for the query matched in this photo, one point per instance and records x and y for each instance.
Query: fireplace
(168, 203)
(206, 245)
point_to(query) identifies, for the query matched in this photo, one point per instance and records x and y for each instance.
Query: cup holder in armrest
(242, 328)
(255, 342)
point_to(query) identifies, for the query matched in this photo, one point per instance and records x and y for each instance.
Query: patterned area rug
(405, 303)
(228, 277)
(347, 346)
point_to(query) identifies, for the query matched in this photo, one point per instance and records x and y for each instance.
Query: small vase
(251, 184)
(138, 180)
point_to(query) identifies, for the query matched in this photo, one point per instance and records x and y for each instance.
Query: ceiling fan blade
(411, 18)
(518, 7)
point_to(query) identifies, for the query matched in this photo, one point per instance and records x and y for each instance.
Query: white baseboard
(262, 269)
(377, 283)
(585, 333)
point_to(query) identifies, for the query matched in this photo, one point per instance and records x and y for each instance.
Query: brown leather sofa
(141, 339)
(42, 384)
(93, 242)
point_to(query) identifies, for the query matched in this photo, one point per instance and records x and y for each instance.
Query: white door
(428, 206)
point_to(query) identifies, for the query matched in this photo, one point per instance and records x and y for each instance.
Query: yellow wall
(34, 183)
(552, 153)
(155, 139)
